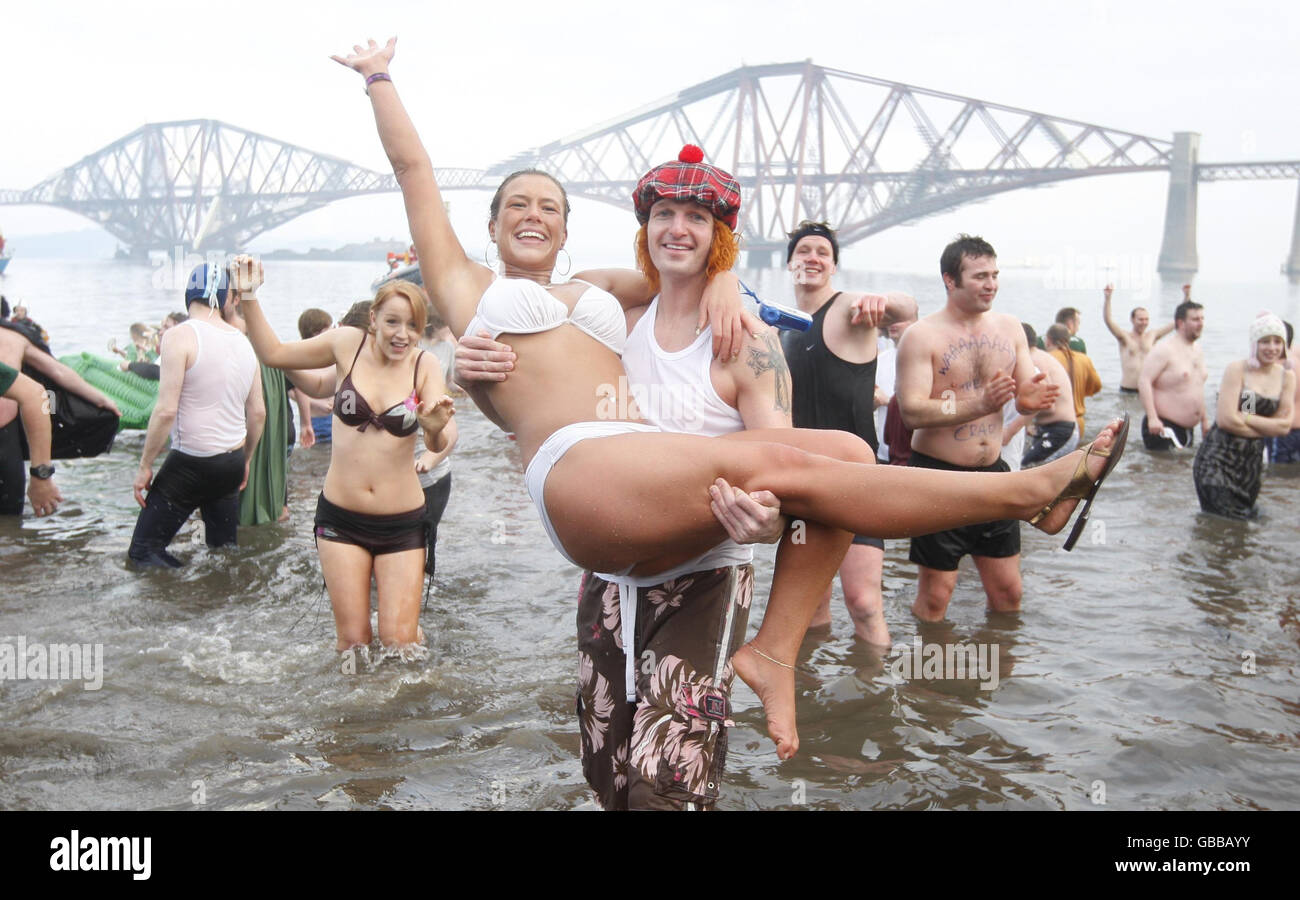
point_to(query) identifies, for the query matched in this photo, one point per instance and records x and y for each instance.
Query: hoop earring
(568, 263)
(491, 264)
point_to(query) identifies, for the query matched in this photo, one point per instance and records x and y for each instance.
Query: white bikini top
(520, 306)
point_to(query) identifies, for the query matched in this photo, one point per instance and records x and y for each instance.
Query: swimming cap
(206, 282)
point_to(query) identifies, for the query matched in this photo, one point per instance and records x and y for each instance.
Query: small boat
(409, 273)
(401, 267)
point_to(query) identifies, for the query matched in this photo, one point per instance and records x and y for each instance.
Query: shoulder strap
(358, 353)
(415, 379)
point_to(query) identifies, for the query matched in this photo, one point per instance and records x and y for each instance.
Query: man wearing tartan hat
(666, 744)
(655, 667)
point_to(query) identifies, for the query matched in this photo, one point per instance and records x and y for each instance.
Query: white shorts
(554, 448)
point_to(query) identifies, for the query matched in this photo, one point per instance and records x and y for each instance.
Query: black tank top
(830, 392)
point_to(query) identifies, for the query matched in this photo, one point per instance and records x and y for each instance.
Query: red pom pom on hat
(690, 154)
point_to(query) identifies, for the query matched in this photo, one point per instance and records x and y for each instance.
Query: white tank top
(210, 415)
(675, 392)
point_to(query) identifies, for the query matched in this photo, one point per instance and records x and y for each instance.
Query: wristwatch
(43, 472)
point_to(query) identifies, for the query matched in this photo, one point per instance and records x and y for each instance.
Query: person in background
(1286, 449)
(16, 387)
(320, 412)
(170, 321)
(357, 316)
(1083, 378)
(1069, 317)
(1172, 384)
(1134, 345)
(20, 317)
(833, 370)
(957, 369)
(1256, 402)
(265, 496)
(19, 350)
(434, 468)
(210, 400)
(887, 371)
(1055, 432)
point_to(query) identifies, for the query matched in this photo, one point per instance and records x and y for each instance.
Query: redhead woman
(619, 496)
(370, 514)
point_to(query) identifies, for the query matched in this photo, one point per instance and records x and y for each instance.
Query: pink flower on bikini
(596, 701)
(670, 596)
(611, 614)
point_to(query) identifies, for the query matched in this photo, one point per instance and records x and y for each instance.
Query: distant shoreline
(372, 251)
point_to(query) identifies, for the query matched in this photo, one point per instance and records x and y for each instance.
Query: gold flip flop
(1082, 487)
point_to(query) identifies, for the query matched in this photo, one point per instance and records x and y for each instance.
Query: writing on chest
(975, 357)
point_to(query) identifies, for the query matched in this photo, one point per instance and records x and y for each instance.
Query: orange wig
(722, 253)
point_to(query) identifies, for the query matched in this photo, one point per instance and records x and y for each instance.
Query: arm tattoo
(774, 359)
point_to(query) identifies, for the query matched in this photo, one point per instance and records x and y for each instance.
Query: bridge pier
(1178, 260)
(1293, 261)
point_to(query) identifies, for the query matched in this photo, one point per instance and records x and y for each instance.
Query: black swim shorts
(1186, 435)
(376, 535)
(943, 550)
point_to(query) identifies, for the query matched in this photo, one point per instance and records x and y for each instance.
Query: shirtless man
(1133, 345)
(956, 369)
(16, 351)
(1172, 384)
(833, 369)
(1056, 432)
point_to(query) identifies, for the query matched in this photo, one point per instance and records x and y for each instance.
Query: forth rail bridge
(805, 142)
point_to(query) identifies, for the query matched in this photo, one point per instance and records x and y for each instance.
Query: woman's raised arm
(313, 353)
(454, 282)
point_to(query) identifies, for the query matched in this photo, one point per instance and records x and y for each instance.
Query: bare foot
(1062, 471)
(774, 685)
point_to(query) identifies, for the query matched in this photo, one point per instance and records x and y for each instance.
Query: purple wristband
(378, 76)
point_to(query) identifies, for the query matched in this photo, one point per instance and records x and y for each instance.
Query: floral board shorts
(666, 750)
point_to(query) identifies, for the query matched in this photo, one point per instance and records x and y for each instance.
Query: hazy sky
(485, 80)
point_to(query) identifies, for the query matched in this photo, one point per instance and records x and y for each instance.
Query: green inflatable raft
(134, 395)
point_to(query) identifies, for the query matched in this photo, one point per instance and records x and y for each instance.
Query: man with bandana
(833, 368)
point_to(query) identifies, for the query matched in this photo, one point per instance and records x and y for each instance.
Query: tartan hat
(689, 178)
